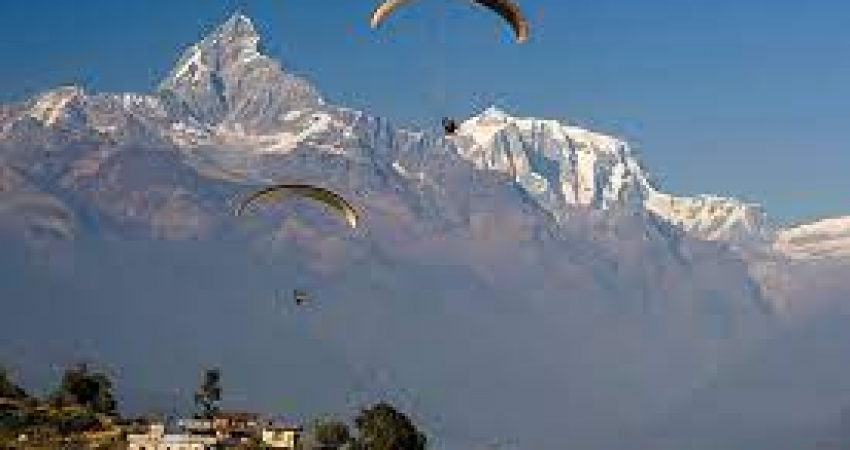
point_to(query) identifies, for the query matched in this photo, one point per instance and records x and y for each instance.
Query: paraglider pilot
(299, 296)
(449, 126)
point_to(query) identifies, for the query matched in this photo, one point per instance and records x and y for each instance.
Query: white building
(280, 436)
(196, 425)
(157, 439)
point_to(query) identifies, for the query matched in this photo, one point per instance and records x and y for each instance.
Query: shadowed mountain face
(524, 281)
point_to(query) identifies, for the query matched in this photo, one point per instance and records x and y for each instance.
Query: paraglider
(508, 10)
(332, 200)
(449, 126)
(299, 296)
(281, 191)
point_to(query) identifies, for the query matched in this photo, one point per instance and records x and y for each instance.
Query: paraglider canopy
(508, 10)
(281, 191)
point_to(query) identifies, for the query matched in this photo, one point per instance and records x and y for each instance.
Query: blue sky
(743, 98)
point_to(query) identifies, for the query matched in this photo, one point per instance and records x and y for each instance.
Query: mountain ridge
(224, 92)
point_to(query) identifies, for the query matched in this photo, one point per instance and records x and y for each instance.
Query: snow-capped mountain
(225, 80)
(52, 106)
(824, 239)
(224, 94)
(233, 114)
(564, 166)
(237, 97)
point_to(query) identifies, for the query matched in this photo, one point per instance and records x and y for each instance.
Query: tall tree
(208, 395)
(382, 427)
(82, 386)
(330, 433)
(8, 389)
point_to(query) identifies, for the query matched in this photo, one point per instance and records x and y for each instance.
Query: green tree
(75, 420)
(8, 389)
(382, 427)
(208, 395)
(330, 433)
(81, 386)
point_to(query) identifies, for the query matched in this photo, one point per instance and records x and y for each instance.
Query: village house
(281, 436)
(236, 425)
(226, 429)
(230, 426)
(156, 438)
